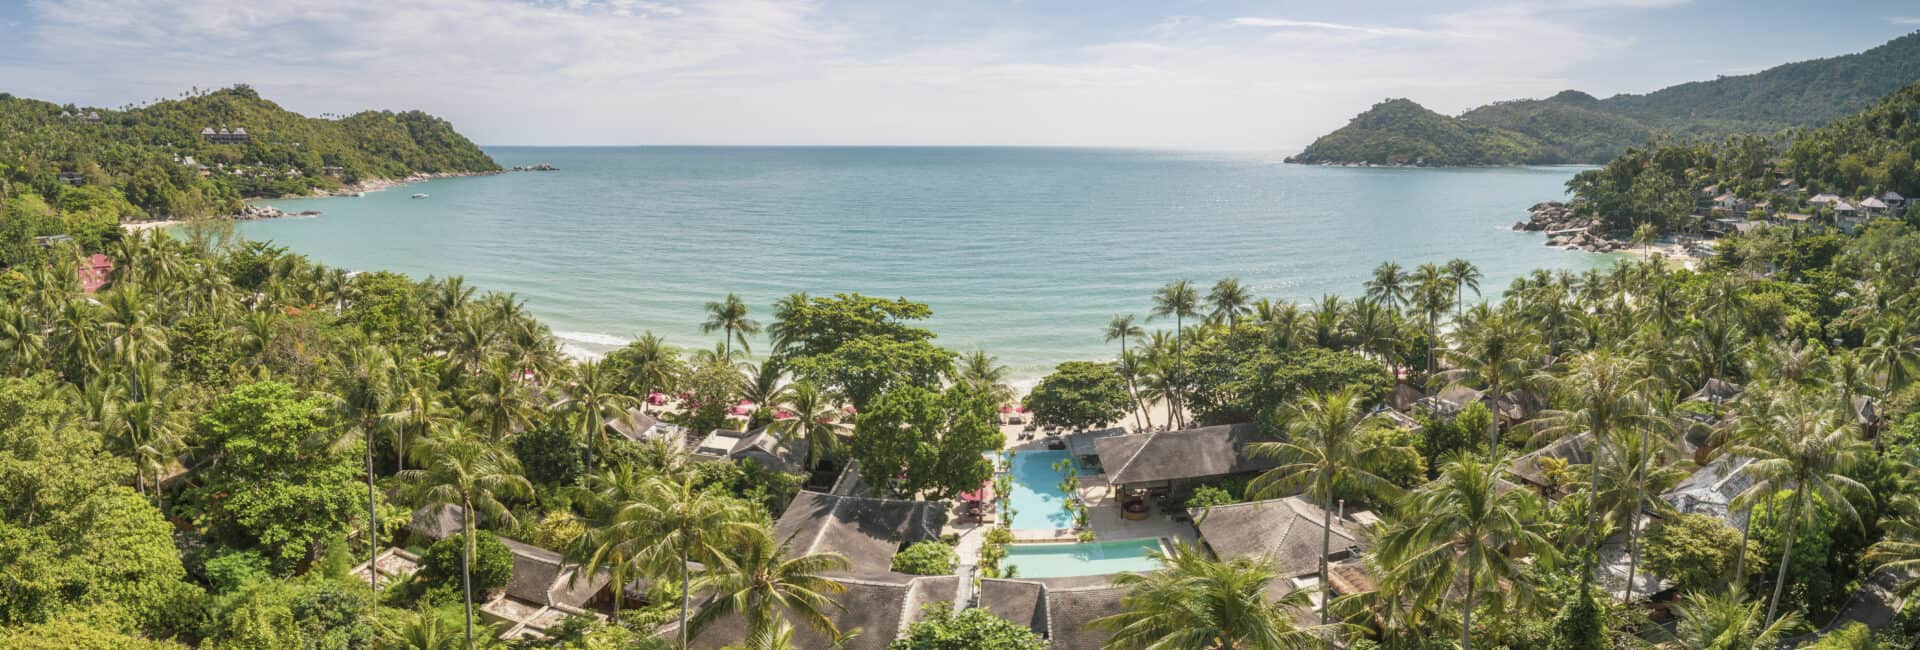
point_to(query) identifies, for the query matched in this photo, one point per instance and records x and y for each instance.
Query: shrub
(231, 569)
(1696, 552)
(492, 565)
(928, 558)
(1852, 636)
(1207, 496)
(971, 629)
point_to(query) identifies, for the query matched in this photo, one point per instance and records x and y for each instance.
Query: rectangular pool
(1088, 559)
(1038, 503)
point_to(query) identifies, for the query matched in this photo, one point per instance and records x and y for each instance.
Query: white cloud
(1904, 20)
(1369, 30)
(793, 72)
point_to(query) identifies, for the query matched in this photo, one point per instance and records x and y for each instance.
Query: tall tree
(472, 473)
(1388, 286)
(1196, 603)
(1465, 534)
(1462, 275)
(1122, 329)
(1180, 300)
(682, 523)
(1228, 301)
(729, 317)
(765, 581)
(1810, 453)
(1323, 454)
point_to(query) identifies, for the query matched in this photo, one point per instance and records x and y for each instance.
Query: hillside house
(72, 178)
(94, 272)
(224, 136)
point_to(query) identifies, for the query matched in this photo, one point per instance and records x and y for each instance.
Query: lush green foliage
(971, 629)
(913, 440)
(1574, 127)
(928, 558)
(1696, 552)
(1079, 395)
(491, 570)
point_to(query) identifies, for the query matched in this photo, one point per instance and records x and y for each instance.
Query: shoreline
(1568, 232)
(251, 212)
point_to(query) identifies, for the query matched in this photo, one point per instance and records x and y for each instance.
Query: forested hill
(1574, 127)
(155, 162)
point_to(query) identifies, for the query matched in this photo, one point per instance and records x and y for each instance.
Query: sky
(1194, 74)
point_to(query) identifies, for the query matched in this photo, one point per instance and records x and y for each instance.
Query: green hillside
(1400, 132)
(1867, 153)
(1574, 127)
(136, 162)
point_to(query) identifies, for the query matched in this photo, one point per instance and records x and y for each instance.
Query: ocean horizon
(1024, 252)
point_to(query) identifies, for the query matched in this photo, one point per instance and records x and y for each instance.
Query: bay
(1023, 252)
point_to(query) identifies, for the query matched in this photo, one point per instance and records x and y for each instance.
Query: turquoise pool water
(1089, 559)
(1038, 503)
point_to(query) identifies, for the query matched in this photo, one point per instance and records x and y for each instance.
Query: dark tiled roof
(880, 608)
(1715, 388)
(1191, 453)
(1083, 443)
(1572, 449)
(437, 522)
(1711, 488)
(1071, 610)
(866, 530)
(1020, 601)
(1285, 532)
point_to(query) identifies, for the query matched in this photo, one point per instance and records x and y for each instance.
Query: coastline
(251, 212)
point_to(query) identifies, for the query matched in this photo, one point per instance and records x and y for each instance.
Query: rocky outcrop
(1566, 228)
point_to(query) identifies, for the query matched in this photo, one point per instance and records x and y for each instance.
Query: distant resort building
(89, 117)
(72, 178)
(224, 136)
(94, 272)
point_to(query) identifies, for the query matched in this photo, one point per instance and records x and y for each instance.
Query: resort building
(72, 178)
(760, 445)
(1285, 532)
(545, 590)
(390, 565)
(437, 523)
(94, 272)
(1712, 488)
(638, 426)
(224, 136)
(1173, 462)
(1531, 468)
(868, 531)
(1058, 609)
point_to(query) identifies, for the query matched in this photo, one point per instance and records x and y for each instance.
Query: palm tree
(1810, 452)
(1899, 550)
(763, 581)
(1123, 328)
(153, 431)
(1726, 621)
(984, 375)
(418, 406)
(680, 522)
(1324, 455)
(418, 630)
(729, 317)
(1431, 294)
(595, 399)
(814, 420)
(1465, 533)
(1893, 352)
(787, 330)
(471, 473)
(1493, 352)
(362, 392)
(1180, 300)
(1634, 482)
(652, 365)
(1229, 301)
(1462, 275)
(1195, 603)
(501, 402)
(1602, 395)
(1388, 286)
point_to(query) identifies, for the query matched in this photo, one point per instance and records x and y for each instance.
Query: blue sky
(1179, 73)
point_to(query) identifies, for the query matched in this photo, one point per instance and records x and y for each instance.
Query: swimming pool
(1038, 503)
(1088, 559)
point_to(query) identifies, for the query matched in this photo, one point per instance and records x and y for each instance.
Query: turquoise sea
(1022, 252)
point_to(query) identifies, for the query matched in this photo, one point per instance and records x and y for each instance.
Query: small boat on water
(419, 196)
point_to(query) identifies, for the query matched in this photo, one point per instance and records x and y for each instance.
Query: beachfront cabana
(636, 425)
(1285, 532)
(545, 591)
(867, 530)
(761, 445)
(1176, 459)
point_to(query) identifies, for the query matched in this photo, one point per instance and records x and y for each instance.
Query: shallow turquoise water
(1023, 252)
(1038, 503)
(1092, 558)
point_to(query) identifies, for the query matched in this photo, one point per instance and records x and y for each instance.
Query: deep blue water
(1022, 252)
